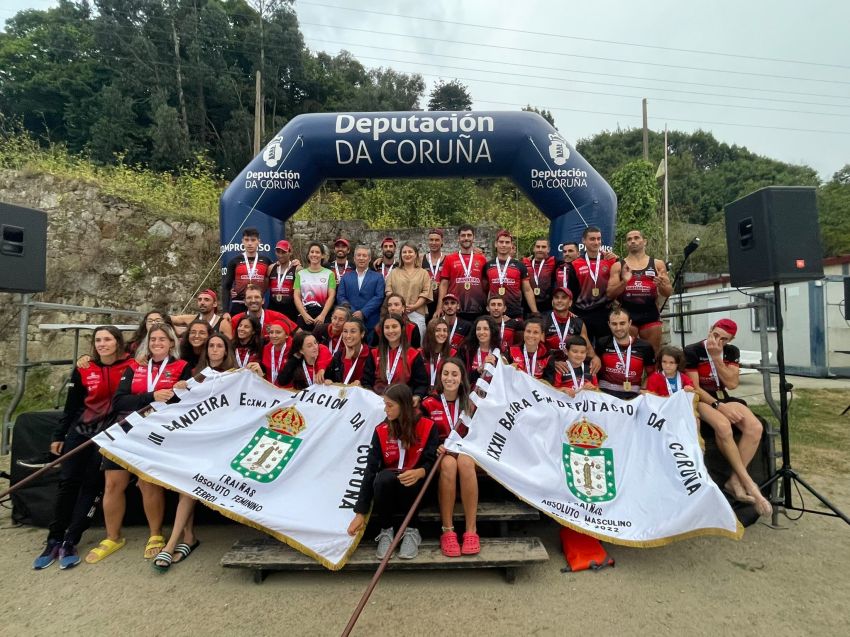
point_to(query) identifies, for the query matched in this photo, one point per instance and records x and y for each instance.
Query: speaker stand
(785, 472)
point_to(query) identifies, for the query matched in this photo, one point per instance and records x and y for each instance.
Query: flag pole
(666, 203)
(383, 565)
(44, 469)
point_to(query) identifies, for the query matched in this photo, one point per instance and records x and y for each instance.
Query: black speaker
(23, 249)
(773, 235)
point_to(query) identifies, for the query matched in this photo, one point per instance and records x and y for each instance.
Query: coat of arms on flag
(270, 449)
(588, 466)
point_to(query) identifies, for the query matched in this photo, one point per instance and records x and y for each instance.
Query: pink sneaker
(449, 545)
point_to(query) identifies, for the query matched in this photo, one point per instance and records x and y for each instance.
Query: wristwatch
(715, 404)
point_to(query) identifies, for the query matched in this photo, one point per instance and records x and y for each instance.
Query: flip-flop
(154, 545)
(103, 550)
(162, 557)
(184, 550)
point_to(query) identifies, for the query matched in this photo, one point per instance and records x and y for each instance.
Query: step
(264, 555)
(506, 511)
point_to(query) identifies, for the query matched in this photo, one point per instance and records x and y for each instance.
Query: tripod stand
(785, 472)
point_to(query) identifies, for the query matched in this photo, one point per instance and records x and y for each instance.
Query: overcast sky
(771, 76)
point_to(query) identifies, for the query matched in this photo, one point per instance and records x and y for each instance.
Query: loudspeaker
(773, 235)
(23, 249)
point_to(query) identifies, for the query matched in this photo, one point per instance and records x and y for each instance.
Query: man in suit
(362, 289)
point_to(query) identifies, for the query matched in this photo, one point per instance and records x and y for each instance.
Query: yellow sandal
(154, 545)
(103, 550)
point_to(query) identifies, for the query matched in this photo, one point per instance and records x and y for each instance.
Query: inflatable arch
(419, 144)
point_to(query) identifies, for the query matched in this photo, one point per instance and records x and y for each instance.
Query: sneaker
(449, 545)
(68, 556)
(410, 544)
(48, 555)
(384, 539)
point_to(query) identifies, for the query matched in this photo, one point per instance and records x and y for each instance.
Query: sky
(771, 76)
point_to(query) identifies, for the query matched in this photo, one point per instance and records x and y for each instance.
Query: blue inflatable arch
(420, 144)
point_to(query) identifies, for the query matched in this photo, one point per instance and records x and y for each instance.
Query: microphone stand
(679, 285)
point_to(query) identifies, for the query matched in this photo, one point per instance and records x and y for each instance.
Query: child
(670, 376)
(577, 375)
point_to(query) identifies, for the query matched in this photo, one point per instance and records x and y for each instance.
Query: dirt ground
(794, 581)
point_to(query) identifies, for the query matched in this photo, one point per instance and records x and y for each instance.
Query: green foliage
(450, 96)
(38, 395)
(547, 115)
(637, 202)
(834, 213)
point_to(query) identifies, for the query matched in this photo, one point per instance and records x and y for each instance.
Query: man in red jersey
(254, 302)
(626, 360)
(281, 280)
(508, 278)
(588, 282)
(463, 276)
(541, 272)
(249, 267)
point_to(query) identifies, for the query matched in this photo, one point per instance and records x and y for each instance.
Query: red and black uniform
(385, 461)
(541, 275)
(432, 407)
(414, 338)
(245, 355)
(434, 268)
(471, 288)
(697, 360)
(639, 297)
(558, 380)
(458, 331)
(325, 336)
(509, 286)
(613, 373)
(384, 269)
(293, 375)
(88, 408)
(569, 325)
(516, 357)
(239, 273)
(434, 366)
(473, 359)
(280, 356)
(561, 275)
(265, 317)
(590, 302)
(133, 392)
(340, 368)
(657, 383)
(339, 270)
(412, 373)
(510, 332)
(280, 281)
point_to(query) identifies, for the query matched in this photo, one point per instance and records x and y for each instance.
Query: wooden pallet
(264, 555)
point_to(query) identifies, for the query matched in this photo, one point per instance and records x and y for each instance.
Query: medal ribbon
(538, 271)
(279, 359)
(533, 365)
(435, 269)
(353, 365)
(239, 360)
(281, 279)
(713, 368)
(151, 380)
(252, 271)
(502, 273)
(434, 367)
(451, 419)
(391, 370)
(628, 362)
(594, 275)
(672, 388)
(576, 384)
(467, 269)
(561, 337)
(307, 373)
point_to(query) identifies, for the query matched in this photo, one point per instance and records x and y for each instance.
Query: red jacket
(518, 360)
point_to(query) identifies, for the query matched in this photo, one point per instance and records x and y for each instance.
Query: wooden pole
(645, 132)
(383, 565)
(258, 114)
(666, 203)
(44, 469)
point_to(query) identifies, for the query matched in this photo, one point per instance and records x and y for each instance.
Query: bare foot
(734, 488)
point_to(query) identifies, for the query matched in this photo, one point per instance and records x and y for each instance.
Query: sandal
(184, 550)
(162, 557)
(154, 545)
(103, 550)
(471, 544)
(449, 545)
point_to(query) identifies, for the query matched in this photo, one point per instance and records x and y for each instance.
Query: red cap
(342, 241)
(504, 233)
(438, 231)
(209, 292)
(451, 296)
(276, 322)
(283, 244)
(387, 240)
(566, 291)
(727, 325)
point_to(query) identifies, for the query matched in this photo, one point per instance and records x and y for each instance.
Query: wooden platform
(264, 555)
(506, 511)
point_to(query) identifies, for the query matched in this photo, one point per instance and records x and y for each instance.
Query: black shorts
(597, 324)
(109, 465)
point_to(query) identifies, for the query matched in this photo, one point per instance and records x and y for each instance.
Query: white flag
(627, 472)
(289, 464)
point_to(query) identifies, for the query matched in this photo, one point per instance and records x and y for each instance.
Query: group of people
(419, 330)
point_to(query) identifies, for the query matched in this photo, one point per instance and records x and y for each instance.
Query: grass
(820, 436)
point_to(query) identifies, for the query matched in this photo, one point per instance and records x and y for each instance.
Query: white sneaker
(410, 544)
(384, 539)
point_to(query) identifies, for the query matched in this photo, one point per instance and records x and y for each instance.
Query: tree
(450, 96)
(637, 201)
(547, 115)
(834, 213)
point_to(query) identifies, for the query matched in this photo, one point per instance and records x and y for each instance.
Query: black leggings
(80, 487)
(391, 496)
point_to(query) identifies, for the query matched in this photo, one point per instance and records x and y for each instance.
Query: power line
(572, 37)
(588, 57)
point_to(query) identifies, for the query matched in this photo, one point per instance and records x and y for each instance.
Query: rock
(161, 229)
(49, 200)
(195, 229)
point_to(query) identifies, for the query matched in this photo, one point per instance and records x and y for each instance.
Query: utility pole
(258, 115)
(645, 133)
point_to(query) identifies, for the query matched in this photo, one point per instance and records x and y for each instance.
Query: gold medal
(594, 292)
(278, 298)
(501, 291)
(627, 386)
(536, 291)
(467, 286)
(433, 285)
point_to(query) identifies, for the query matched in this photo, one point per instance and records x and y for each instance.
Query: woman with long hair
(436, 347)
(330, 334)
(248, 344)
(480, 347)
(402, 453)
(445, 408)
(394, 304)
(348, 363)
(217, 355)
(314, 290)
(276, 351)
(306, 364)
(149, 320)
(413, 284)
(150, 377)
(394, 361)
(87, 412)
(193, 341)
(532, 356)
